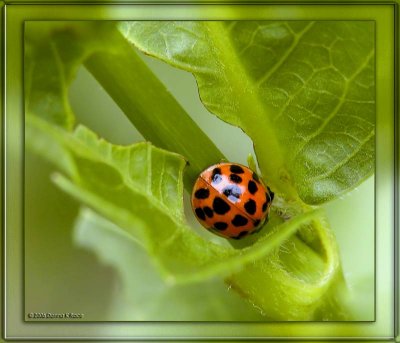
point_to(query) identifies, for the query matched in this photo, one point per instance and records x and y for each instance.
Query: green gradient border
(386, 325)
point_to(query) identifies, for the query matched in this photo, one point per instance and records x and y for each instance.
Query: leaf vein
(294, 44)
(344, 161)
(343, 99)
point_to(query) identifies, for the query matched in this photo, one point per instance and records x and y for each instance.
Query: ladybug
(231, 201)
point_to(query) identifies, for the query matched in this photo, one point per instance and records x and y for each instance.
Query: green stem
(138, 92)
(275, 173)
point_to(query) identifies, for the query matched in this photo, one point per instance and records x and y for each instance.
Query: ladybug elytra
(230, 200)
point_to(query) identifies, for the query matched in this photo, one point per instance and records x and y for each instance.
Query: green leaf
(139, 188)
(144, 295)
(50, 67)
(54, 52)
(296, 274)
(303, 91)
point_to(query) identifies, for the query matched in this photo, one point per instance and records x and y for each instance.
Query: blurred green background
(61, 276)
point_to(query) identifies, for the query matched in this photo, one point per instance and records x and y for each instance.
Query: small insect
(230, 200)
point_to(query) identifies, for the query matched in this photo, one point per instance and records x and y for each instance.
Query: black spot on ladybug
(250, 206)
(236, 169)
(208, 211)
(255, 177)
(241, 235)
(216, 171)
(202, 193)
(271, 194)
(264, 206)
(216, 176)
(220, 226)
(252, 187)
(232, 192)
(257, 222)
(239, 220)
(200, 213)
(220, 206)
(235, 178)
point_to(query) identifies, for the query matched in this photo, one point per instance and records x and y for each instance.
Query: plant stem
(149, 105)
(161, 119)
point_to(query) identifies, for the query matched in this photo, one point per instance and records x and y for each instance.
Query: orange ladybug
(230, 200)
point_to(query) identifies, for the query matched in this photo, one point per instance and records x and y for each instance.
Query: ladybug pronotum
(230, 200)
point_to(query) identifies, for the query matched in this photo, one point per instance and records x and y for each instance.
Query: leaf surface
(140, 188)
(303, 91)
(114, 181)
(55, 50)
(50, 67)
(144, 296)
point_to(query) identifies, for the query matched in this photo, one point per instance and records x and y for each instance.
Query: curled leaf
(140, 188)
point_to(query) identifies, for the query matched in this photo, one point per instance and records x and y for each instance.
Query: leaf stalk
(150, 106)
